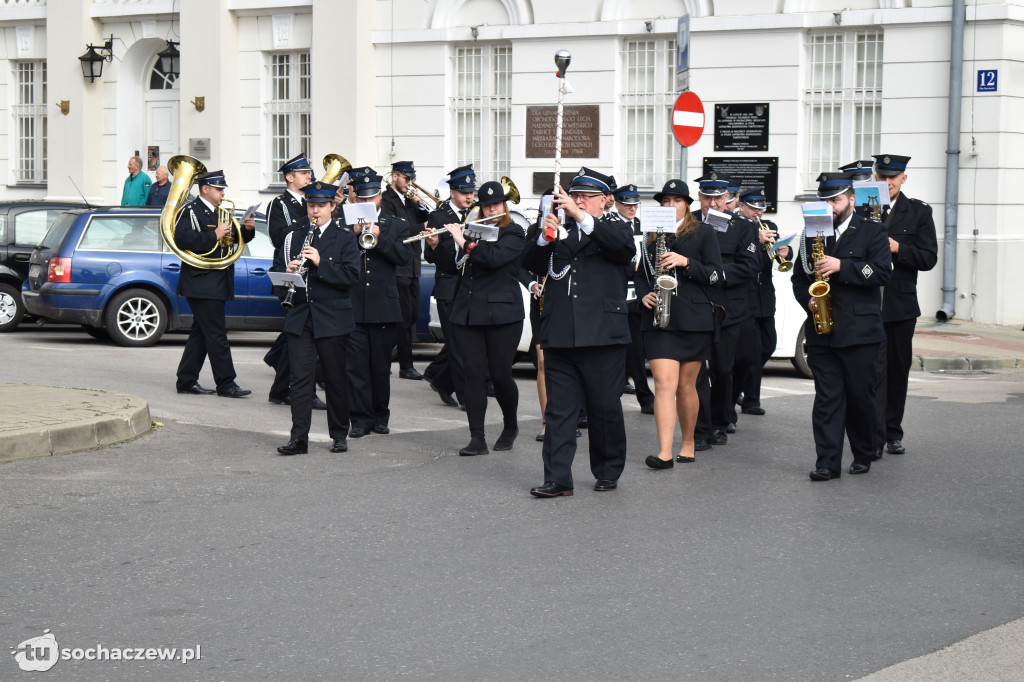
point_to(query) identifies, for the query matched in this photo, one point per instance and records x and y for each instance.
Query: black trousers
(635, 369)
(409, 300)
(844, 394)
(894, 359)
(720, 365)
(600, 373)
(277, 357)
(702, 430)
(446, 371)
(209, 337)
(489, 351)
(303, 351)
(755, 349)
(369, 373)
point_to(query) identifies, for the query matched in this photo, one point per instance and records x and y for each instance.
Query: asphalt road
(400, 559)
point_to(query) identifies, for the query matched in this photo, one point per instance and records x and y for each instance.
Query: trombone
(414, 189)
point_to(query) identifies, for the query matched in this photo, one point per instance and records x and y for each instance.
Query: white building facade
(450, 82)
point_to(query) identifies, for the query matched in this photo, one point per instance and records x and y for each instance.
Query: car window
(122, 233)
(260, 246)
(30, 226)
(55, 235)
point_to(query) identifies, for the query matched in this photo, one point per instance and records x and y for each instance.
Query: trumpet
(367, 239)
(784, 265)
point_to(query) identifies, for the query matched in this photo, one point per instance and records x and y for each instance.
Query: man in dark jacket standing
(914, 249)
(207, 290)
(857, 264)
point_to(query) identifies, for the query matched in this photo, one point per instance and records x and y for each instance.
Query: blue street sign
(988, 80)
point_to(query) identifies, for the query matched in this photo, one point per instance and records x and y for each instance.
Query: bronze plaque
(580, 132)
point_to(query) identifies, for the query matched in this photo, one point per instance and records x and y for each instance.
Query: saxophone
(664, 285)
(820, 289)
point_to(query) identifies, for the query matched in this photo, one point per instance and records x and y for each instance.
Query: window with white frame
(651, 152)
(843, 99)
(29, 111)
(482, 108)
(288, 109)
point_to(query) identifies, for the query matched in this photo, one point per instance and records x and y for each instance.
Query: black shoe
(446, 398)
(410, 373)
(506, 439)
(719, 438)
(196, 389)
(753, 410)
(603, 485)
(356, 432)
(280, 401)
(685, 460)
(339, 445)
(582, 423)
(824, 475)
(700, 445)
(293, 447)
(319, 404)
(629, 390)
(858, 468)
(647, 409)
(731, 428)
(656, 462)
(382, 429)
(476, 446)
(551, 490)
(876, 455)
(234, 392)
(895, 447)
(540, 437)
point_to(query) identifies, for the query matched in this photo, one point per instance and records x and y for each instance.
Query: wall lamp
(92, 61)
(170, 60)
(837, 17)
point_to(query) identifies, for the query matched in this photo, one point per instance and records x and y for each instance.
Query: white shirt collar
(208, 204)
(843, 225)
(298, 197)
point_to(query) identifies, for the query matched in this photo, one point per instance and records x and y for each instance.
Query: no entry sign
(688, 119)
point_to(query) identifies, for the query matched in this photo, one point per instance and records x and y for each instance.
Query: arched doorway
(161, 104)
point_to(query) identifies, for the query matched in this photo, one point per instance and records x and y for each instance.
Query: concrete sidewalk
(47, 420)
(962, 345)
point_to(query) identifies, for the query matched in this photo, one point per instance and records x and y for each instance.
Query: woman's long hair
(503, 220)
(688, 225)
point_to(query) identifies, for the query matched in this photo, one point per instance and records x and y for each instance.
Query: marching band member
(486, 314)
(321, 320)
(196, 230)
(844, 362)
(378, 314)
(584, 332)
(914, 249)
(677, 351)
(445, 374)
(399, 201)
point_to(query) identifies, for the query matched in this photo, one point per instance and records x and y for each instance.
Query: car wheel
(12, 309)
(135, 317)
(98, 333)
(800, 356)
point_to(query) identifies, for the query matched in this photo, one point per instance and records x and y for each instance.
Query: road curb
(73, 420)
(937, 363)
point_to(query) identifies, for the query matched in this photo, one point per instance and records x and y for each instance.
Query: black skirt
(666, 344)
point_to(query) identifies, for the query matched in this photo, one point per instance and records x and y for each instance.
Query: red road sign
(688, 119)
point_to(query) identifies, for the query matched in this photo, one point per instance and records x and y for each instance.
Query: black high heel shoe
(656, 462)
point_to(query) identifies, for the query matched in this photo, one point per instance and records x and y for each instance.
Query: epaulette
(923, 203)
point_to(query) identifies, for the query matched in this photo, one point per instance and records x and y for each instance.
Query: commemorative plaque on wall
(581, 126)
(751, 172)
(741, 127)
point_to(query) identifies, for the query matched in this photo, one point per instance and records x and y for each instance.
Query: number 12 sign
(988, 80)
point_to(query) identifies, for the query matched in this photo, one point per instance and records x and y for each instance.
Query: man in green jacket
(136, 185)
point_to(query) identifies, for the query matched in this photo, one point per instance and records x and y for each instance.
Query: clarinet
(301, 270)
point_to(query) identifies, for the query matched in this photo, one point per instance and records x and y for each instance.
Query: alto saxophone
(820, 290)
(664, 285)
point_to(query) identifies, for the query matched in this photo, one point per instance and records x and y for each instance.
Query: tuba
(664, 285)
(185, 169)
(820, 291)
(334, 166)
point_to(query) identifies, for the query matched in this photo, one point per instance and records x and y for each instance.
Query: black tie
(316, 236)
(573, 237)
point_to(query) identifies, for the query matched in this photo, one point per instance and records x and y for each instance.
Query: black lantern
(92, 61)
(170, 60)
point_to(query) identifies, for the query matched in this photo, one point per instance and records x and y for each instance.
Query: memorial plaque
(199, 147)
(580, 132)
(741, 127)
(751, 172)
(545, 180)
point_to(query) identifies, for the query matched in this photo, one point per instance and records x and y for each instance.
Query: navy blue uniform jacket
(910, 225)
(194, 231)
(375, 297)
(444, 283)
(738, 246)
(284, 214)
(488, 290)
(587, 307)
(415, 216)
(856, 288)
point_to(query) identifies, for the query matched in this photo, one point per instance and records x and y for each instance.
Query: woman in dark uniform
(677, 352)
(487, 314)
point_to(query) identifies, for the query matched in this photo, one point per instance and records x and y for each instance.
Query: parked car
(109, 270)
(22, 226)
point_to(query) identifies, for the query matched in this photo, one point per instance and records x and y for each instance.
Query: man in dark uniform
(844, 362)
(378, 314)
(914, 249)
(207, 290)
(738, 245)
(584, 332)
(398, 201)
(285, 213)
(319, 323)
(757, 341)
(445, 373)
(860, 171)
(627, 199)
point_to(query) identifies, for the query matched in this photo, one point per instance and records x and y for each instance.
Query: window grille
(651, 152)
(288, 110)
(29, 113)
(482, 109)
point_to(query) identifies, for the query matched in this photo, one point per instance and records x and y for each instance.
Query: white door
(162, 128)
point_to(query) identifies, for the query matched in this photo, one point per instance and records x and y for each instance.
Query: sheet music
(817, 219)
(658, 219)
